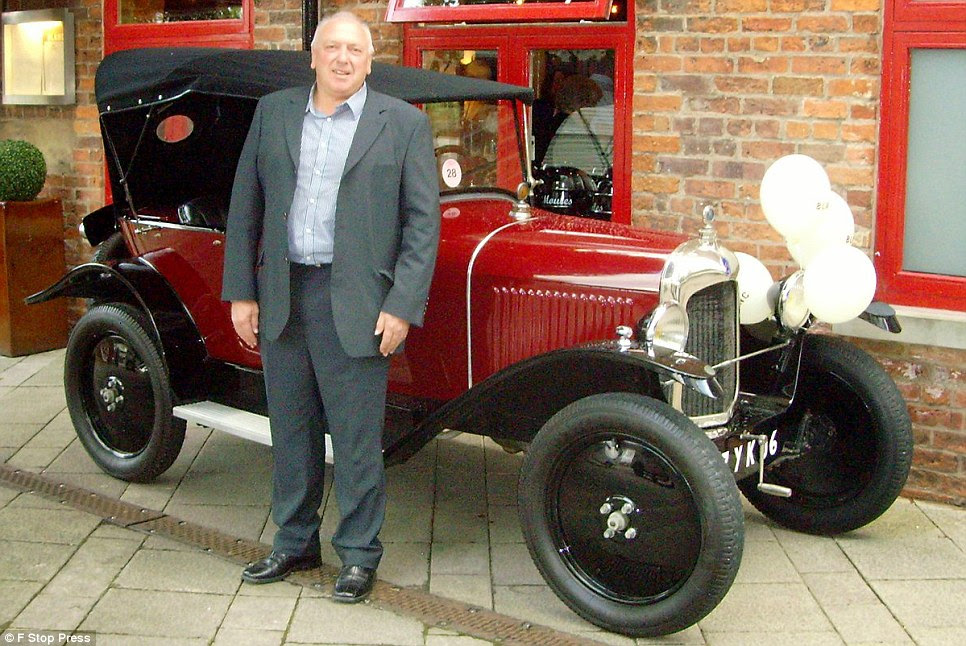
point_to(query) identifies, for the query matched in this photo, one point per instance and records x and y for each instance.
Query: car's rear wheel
(853, 448)
(114, 248)
(119, 396)
(630, 514)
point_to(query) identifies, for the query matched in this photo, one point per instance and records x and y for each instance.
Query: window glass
(935, 231)
(573, 115)
(465, 133)
(145, 11)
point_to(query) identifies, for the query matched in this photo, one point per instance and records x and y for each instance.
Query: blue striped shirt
(325, 146)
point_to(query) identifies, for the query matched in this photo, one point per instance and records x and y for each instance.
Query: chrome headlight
(666, 330)
(792, 310)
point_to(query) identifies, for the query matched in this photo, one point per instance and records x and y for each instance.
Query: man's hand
(244, 316)
(393, 330)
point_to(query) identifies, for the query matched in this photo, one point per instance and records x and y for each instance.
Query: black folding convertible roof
(141, 77)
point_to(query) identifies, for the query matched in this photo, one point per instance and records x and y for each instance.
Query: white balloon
(754, 279)
(839, 283)
(835, 225)
(794, 191)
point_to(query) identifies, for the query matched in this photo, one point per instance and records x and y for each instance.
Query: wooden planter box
(31, 259)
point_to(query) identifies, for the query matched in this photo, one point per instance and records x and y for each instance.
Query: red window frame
(234, 33)
(513, 44)
(535, 11)
(909, 25)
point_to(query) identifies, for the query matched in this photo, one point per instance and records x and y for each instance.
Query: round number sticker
(452, 173)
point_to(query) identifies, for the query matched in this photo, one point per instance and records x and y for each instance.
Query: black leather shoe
(354, 584)
(276, 565)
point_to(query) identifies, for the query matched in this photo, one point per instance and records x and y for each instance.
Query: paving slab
(839, 588)
(64, 526)
(158, 614)
(54, 612)
(951, 521)
(16, 435)
(14, 597)
(403, 564)
(223, 488)
(93, 567)
(866, 623)
(765, 608)
(925, 604)
(36, 459)
(766, 562)
(790, 638)
(117, 639)
(504, 523)
(538, 604)
(74, 459)
(454, 640)
(813, 553)
(913, 557)
(511, 565)
(322, 621)
(247, 637)
(26, 405)
(944, 636)
(260, 613)
(179, 571)
(690, 635)
(22, 561)
(474, 589)
(452, 525)
(460, 558)
(241, 521)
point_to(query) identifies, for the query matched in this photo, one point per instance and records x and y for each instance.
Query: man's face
(341, 59)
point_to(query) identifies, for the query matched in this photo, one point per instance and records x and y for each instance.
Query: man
(331, 241)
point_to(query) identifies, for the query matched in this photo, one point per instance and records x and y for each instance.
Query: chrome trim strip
(148, 221)
(469, 304)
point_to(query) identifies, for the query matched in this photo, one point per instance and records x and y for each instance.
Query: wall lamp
(38, 57)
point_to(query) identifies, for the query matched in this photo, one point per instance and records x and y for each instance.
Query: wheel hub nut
(618, 510)
(111, 393)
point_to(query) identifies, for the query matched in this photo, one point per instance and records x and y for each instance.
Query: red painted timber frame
(514, 41)
(909, 25)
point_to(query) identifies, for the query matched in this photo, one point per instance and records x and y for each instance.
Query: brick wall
(933, 382)
(724, 87)
(69, 136)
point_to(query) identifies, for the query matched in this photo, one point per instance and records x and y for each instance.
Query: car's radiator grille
(527, 322)
(713, 320)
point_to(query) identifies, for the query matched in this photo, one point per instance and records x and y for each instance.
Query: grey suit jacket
(386, 220)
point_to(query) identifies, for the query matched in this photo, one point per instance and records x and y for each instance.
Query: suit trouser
(313, 384)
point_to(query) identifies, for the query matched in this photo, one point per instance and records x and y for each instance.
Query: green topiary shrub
(22, 170)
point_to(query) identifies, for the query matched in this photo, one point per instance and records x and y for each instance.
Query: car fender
(516, 402)
(137, 283)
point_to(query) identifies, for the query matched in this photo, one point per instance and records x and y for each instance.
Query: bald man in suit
(331, 242)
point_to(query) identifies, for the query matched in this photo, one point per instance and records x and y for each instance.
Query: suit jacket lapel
(371, 122)
(293, 122)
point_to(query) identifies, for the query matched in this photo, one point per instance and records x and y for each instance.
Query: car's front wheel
(118, 394)
(852, 448)
(630, 514)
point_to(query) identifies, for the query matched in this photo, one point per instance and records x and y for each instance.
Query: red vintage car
(612, 355)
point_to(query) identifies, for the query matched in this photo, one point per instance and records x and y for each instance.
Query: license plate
(745, 456)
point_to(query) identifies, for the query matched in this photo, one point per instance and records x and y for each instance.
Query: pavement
(451, 530)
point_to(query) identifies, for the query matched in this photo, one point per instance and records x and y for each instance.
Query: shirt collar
(354, 102)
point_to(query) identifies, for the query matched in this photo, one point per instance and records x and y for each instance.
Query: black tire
(686, 512)
(114, 248)
(856, 444)
(113, 359)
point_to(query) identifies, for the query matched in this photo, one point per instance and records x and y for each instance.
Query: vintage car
(614, 356)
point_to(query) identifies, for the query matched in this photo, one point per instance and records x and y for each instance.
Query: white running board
(234, 421)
